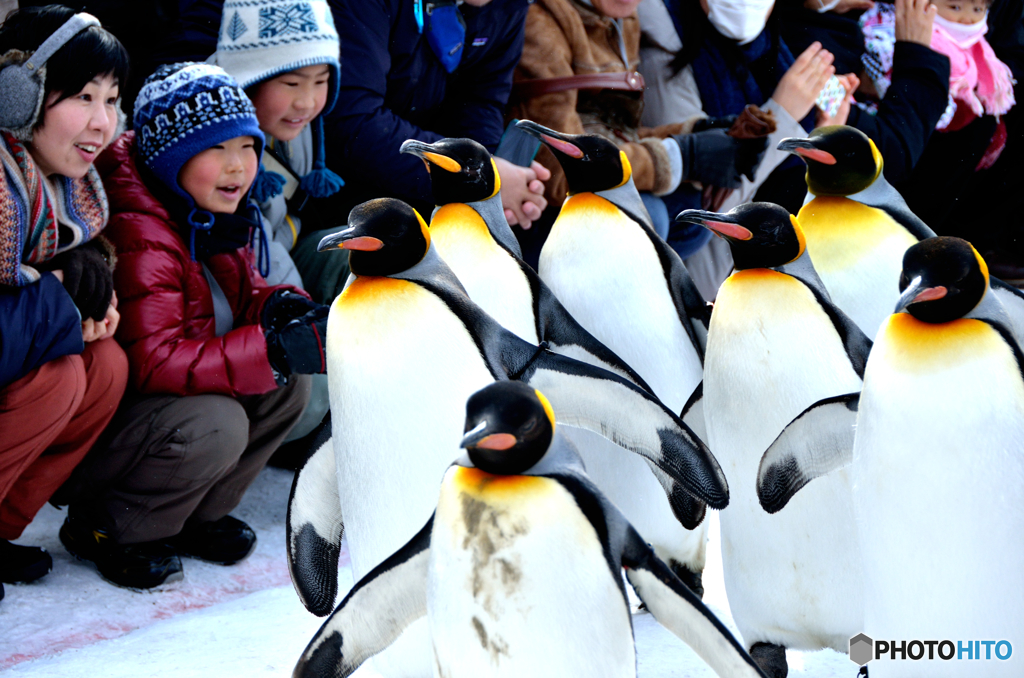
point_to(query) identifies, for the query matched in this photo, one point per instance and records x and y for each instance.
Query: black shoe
(224, 542)
(22, 564)
(133, 566)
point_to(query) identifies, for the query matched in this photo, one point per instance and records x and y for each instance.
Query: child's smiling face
(218, 177)
(289, 102)
(965, 12)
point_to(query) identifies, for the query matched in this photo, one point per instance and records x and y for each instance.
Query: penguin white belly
(938, 476)
(492, 278)
(400, 368)
(858, 253)
(792, 578)
(519, 585)
(605, 271)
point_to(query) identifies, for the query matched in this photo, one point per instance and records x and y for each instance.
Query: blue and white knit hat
(182, 110)
(262, 39)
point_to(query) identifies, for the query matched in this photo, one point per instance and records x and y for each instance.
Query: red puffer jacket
(167, 320)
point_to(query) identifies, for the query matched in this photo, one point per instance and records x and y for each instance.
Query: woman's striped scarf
(41, 217)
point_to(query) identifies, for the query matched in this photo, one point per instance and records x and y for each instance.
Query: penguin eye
(530, 425)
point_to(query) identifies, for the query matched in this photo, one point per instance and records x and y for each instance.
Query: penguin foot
(693, 580)
(770, 658)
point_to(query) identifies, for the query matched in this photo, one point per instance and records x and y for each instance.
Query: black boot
(22, 564)
(224, 542)
(771, 659)
(133, 566)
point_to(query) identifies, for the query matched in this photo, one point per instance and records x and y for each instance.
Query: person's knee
(213, 437)
(106, 369)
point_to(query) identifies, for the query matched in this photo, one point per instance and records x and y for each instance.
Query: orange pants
(48, 421)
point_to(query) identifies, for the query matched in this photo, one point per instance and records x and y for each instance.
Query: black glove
(713, 157)
(298, 347)
(87, 278)
(282, 307)
(724, 122)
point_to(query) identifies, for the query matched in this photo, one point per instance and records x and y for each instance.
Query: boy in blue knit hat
(285, 55)
(217, 357)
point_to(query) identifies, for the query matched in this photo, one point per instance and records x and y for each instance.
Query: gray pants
(173, 458)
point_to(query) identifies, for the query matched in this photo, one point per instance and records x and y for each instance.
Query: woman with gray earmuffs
(62, 374)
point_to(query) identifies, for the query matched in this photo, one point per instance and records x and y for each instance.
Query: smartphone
(517, 146)
(831, 96)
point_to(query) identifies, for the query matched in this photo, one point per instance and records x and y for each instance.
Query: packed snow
(246, 620)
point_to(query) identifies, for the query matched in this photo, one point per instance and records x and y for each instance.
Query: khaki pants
(173, 458)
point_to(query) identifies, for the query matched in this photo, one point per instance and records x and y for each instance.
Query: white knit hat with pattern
(262, 39)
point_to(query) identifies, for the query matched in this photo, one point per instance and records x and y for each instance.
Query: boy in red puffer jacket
(217, 356)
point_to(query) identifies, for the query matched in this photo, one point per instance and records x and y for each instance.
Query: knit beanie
(262, 39)
(182, 110)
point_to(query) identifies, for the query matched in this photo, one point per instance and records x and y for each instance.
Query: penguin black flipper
(394, 593)
(556, 326)
(642, 423)
(314, 526)
(817, 442)
(681, 612)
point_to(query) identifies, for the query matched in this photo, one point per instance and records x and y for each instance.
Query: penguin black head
(385, 235)
(942, 280)
(760, 234)
(591, 163)
(840, 160)
(461, 170)
(509, 427)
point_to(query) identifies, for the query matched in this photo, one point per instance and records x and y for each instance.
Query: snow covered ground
(245, 620)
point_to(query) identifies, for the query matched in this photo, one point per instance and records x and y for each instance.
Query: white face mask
(741, 20)
(964, 35)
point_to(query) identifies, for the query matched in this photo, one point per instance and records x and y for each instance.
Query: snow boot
(132, 566)
(22, 564)
(223, 542)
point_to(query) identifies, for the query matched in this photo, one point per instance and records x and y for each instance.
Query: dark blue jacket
(38, 323)
(393, 88)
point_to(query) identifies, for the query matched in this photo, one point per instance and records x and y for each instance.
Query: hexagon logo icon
(861, 649)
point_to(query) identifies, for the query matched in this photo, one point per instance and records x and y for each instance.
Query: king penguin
(777, 344)
(405, 348)
(626, 286)
(937, 461)
(519, 569)
(856, 224)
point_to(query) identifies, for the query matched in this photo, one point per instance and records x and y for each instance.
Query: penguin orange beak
(722, 225)
(346, 239)
(480, 438)
(806, 149)
(556, 140)
(917, 292)
(430, 155)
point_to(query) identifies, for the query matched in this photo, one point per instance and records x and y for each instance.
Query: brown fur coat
(564, 38)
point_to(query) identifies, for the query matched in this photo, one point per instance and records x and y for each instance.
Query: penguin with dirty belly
(521, 548)
(405, 348)
(776, 345)
(473, 237)
(934, 444)
(629, 289)
(858, 227)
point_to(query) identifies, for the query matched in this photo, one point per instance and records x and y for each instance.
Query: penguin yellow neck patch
(497, 179)
(479, 484)
(590, 203)
(373, 290)
(915, 345)
(840, 232)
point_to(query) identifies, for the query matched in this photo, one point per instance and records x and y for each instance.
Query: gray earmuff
(22, 84)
